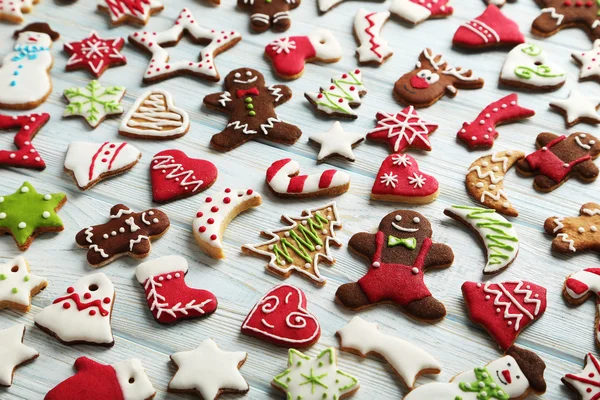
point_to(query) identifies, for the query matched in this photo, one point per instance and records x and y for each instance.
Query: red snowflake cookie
(95, 54)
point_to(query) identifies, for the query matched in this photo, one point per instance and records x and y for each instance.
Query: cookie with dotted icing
(589, 62)
(130, 11)
(26, 155)
(12, 12)
(18, 285)
(95, 54)
(585, 383)
(572, 234)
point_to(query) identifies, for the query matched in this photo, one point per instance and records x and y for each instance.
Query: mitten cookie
(26, 155)
(504, 309)
(269, 13)
(558, 14)
(400, 253)
(582, 285)
(417, 11)
(169, 297)
(431, 79)
(130, 11)
(14, 353)
(82, 314)
(372, 49)
(127, 233)
(250, 104)
(589, 62)
(559, 158)
(403, 130)
(586, 383)
(125, 380)
(289, 54)
(25, 71)
(528, 66)
(94, 102)
(95, 54)
(18, 285)
(575, 233)
(490, 30)
(302, 245)
(514, 376)
(280, 317)
(338, 99)
(578, 108)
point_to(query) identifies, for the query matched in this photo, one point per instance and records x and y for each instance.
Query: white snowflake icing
(283, 45)
(389, 179)
(401, 159)
(417, 180)
(406, 125)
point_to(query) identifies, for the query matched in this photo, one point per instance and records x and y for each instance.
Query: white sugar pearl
(24, 189)
(22, 225)
(47, 197)
(46, 214)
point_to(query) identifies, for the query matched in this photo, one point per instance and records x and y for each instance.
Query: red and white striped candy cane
(283, 179)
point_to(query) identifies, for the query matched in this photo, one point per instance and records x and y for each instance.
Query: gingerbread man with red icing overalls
(400, 253)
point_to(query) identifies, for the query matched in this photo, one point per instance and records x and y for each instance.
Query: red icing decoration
(136, 7)
(437, 9)
(594, 383)
(403, 130)
(26, 156)
(289, 61)
(399, 175)
(549, 164)
(95, 54)
(504, 309)
(81, 305)
(492, 28)
(281, 318)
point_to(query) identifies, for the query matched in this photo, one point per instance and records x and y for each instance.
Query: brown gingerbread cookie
(269, 13)
(251, 108)
(560, 14)
(560, 157)
(431, 79)
(400, 253)
(576, 233)
(127, 233)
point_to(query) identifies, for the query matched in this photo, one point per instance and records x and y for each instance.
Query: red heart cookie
(280, 317)
(176, 176)
(400, 179)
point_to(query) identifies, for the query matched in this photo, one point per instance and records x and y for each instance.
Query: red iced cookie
(490, 29)
(26, 156)
(403, 130)
(95, 54)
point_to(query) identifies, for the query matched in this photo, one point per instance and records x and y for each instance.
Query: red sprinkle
(66, 305)
(70, 290)
(106, 300)
(202, 229)
(199, 214)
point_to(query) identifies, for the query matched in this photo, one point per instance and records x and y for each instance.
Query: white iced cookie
(528, 66)
(17, 285)
(13, 352)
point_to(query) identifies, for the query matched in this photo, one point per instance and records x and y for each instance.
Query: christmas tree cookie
(338, 99)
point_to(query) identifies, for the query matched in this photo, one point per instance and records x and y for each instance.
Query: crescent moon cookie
(485, 180)
(496, 232)
(528, 66)
(215, 214)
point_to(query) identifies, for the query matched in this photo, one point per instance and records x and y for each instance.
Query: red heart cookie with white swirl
(176, 176)
(280, 317)
(400, 179)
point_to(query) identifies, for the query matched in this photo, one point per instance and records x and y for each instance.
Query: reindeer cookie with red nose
(251, 108)
(400, 253)
(431, 79)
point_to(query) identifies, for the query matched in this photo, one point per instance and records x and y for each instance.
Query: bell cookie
(559, 158)
(417, 11)
(18, 285)
(127, 233)
(250, 104)
(578, 108)
(14, 353)
(491, 29)
(94, 102)
(273, 14)
(528, 66)
(338, 99)
(585, 384)
(130, 11)
(574, 234)
(582, 285)
(403, 130)
(95, 54)
(400, 253)
(558, 14)
(26, 155)
(372, 49)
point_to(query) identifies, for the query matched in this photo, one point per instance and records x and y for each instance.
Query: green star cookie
(26, 213)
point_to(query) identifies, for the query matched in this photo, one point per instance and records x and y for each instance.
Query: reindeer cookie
(559, 14)
(431, 79)
(127, 233)
(251, 108)
(559, 157)
(400, 253)
(269, 13)
(576, 233)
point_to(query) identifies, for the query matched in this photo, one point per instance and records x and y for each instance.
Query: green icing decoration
(541, 70)
(532, 50)
(15, 290)
(485, 386)
(26, 278)
(2, 277)
(331, 98)
(302, 246)
(252, 113)
(409, 243)
(314, 380)
(94, 101)
(353, 380)
(21, 212)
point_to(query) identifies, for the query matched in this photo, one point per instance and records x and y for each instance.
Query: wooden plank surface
(562, 337)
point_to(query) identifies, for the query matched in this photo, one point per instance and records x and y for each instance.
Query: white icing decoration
(21, 280)
(280, 182)
(133, 242)
(141, 387)
(503, 292)
(517, 59)
(554, 14)
(417, 180)
(410, 11)
(176, 171)
(578, 106)
(14, 352)
(336, 141)
(367, 27)
(338, 97)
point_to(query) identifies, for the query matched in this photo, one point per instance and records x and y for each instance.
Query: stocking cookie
(215, 214)
(25, 71)
(504, 309)
(338, 99)
(485, 180)
(14, 12)
(127, 233)
(281, 318)
(169, 297)
(495, 232)
(373, 48)
(491, 29)
(578, 108)
(582, 285)
(94, 102)
(301, 246)
(557, 15)
(26, 155)
(269, 14)
(431, 79)
(417, 11)
(514, 376)
(527, 66)
(125, 380)
(575, 233)
(82, 314)
(27, 213)
(400, 253)
(403, 130)
(95, 54)
(400, 179)
(130, 11)
(250, 105)
(160, 68)
(480, 133)
(289, 54)
(284, 181)
(585, 383)
(14, 353)
(336, 141)
(589, 62)
(176, 176)
(18, 285)
(407, 360)
(559, 158)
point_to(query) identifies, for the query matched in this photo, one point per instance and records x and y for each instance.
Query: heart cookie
(400, 179)
(280, 317)
(528, 66)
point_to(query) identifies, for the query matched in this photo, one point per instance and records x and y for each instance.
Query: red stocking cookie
(95, 54)
(127, 233)
(26, 156)
(269, 13)
(281, 318)
(582, 285)
(417, 11)
(403, 130)
(169, 297)
(400, 253)
(504, 309)
(560, 14)
(490, 29)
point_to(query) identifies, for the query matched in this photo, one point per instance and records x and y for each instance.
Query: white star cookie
(578, 108)
(589, 62)
(17, 285)
(336, 141)
(587, 382)
(209, 371)
(13, 352)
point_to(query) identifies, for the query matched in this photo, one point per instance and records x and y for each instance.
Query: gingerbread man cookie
(576, 233)
(560, 157)
(560, 14)
(251, 108)
(127, 233)
(400, 253)
(269, 13)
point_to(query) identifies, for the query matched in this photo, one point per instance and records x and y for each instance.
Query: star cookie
(14, 13)
(132, 11)
(26, 213)
(95, 54)
(403, 130)
(336, 141)
(589, 62)
(578, 108)
(13, 352)
(94, 102)
(17, 285)
(586, 383)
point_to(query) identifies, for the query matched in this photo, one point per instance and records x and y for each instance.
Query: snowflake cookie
(94, 102)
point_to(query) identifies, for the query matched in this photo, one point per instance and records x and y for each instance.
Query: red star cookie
(403, 130)
(95, 54)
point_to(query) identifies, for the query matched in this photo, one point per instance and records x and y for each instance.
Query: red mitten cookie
(504, 309)
(281, 318)
(490, 29)
(403, 130)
